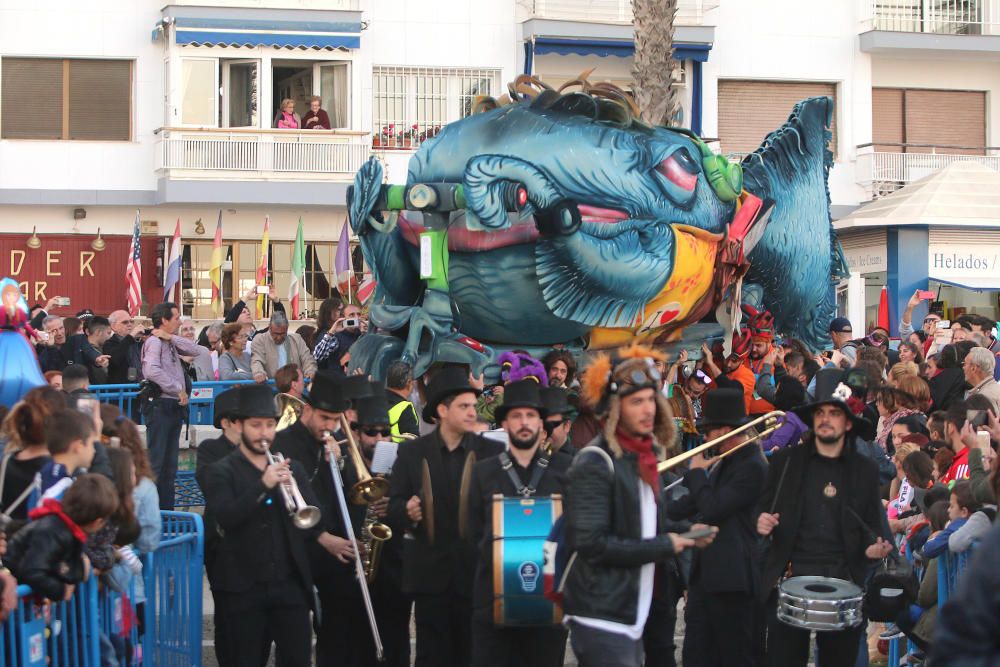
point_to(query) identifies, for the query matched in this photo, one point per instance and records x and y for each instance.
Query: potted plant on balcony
(410, 137)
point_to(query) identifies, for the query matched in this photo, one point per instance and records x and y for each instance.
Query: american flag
(133, 271)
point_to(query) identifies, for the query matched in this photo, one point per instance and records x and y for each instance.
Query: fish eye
(685, 159)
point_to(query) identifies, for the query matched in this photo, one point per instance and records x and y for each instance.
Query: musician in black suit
(438, 560)
(523, 471)
(226, 413)
(820, 507)
(722, 609)
(558, 421)
(263, 582)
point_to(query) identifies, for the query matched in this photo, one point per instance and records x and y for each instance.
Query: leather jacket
(46, 556)
(603, 529)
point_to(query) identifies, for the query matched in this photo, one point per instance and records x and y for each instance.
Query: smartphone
(351, 323)
(926, 295)
(976, 418)
(88, 406)
(983, 440)
(263, 289)
(944, 324)
(63, 301)
(42, 336)
(700, 533)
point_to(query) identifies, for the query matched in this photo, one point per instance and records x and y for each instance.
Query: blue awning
(605, 47)
(198, 31)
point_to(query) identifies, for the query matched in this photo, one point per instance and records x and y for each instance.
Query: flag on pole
(172, 262)
(265, 244)
(133, 271)
(298, 271)
(366, 290)
(342, 262)
(215, 269)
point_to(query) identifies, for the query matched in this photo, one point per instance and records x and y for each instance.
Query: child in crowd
(917, 622)
(47, 554)
(961, 510)
(71, 447)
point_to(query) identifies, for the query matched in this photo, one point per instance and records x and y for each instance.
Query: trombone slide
(772, 422)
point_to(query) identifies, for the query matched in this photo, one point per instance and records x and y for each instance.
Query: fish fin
(799, 256)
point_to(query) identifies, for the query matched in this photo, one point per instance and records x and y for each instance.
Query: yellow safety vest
(395, 413)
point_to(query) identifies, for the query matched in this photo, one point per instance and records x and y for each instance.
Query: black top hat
(372, 410)
(446, 382)
(227, 404)
(555, 400)
(723, 407)
(256, 400)
(354, 387)
(521, 394)
(831, 389)
(326, 393)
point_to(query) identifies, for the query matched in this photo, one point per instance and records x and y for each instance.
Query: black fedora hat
(372, 410)
(723, 407)
(447, 381)
(354, 387)
(326, 393)
(555, 400)
(226, 405)
(257, 400)
(521, 394)
(831, 389)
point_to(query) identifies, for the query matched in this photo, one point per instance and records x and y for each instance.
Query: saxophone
(374, 533)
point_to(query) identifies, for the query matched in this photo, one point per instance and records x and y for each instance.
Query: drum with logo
(520, 528)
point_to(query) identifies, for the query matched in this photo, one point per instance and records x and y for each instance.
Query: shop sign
(866, 259)
(963, 260)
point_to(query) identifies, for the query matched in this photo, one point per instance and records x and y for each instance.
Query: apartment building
(106, 107)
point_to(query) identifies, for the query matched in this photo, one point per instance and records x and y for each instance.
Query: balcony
(314, 5)
(243, 154)
(689, 12)
(957, 26)
(885, 168)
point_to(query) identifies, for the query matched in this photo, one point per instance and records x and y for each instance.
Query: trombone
(772, 421)
(367, 489)
(303, 516)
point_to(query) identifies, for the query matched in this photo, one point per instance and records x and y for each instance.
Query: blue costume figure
(19, 369)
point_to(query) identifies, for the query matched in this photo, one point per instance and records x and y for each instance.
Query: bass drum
(822, 604)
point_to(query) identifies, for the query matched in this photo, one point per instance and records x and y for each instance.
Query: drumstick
(777, 491)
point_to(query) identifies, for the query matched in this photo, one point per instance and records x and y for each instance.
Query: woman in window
(316, 118)
(234, 363)
(286, 118)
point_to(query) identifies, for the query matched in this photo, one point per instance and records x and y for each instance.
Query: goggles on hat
(634, 374)
(702, 376)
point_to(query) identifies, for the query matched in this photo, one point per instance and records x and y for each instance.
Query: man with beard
(761, 326)
(263, 583)
(306, 442)
(827, 488)
(734, 372)
(523, 471)
(437, 569)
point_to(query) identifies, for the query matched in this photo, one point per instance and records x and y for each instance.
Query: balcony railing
(943, 17)
(238, 153)
(885, 168)
(689, 12)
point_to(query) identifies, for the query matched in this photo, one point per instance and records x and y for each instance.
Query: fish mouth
(597, 221)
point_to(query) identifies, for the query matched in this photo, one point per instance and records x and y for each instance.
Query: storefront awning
(198, 31)
(564, 46)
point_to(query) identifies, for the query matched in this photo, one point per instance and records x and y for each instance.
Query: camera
(63, 301)
(352, 323)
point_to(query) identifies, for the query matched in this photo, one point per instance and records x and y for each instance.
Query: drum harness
(524, 490)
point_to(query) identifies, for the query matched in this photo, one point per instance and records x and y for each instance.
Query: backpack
(558, 558)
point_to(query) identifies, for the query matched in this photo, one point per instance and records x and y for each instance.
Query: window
(750, 110)
(411, 104)
(52, 98)
(930, 121)
(198, 91)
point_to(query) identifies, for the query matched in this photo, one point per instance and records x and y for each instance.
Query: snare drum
(820, 603)
(520, 528)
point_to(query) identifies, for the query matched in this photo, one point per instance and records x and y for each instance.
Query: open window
(241, 93)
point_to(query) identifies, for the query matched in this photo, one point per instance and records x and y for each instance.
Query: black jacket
(235, 493)
(490, 478)
(861, 495)
(604, 529)
(968, 625)
(448, 563)
(947, 387)
(727, 499)
(52, 357)
(45, 555)
(209, 452)
(125, 353)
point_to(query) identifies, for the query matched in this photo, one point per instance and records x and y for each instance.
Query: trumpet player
(722, 615)
(263, 581)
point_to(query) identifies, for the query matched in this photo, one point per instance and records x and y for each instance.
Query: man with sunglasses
(930, 322)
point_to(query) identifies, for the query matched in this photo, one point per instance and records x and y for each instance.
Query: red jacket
(322, 121)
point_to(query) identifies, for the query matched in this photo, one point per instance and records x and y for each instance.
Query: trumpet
(771, 422)
(303, 516)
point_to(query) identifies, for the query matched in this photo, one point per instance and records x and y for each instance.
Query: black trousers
(444, 625)
(270, 612)
(600, 648)
(658, 635)
(345, 636)
(788, 646)
(719, 629)
(515, 647)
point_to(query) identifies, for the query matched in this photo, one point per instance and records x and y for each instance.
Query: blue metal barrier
(187, 493)
(173, 577)
(950, 568)
(57, 634)
(201, 406)
(118, 622)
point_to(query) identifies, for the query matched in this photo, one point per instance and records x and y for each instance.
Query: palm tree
(653, 64)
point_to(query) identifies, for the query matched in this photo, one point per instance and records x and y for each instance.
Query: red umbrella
(883, 310)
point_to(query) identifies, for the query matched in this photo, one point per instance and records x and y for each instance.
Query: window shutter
(946, 117)
(100, 96)
(31, 96)
(887, 118)
(750, 110)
